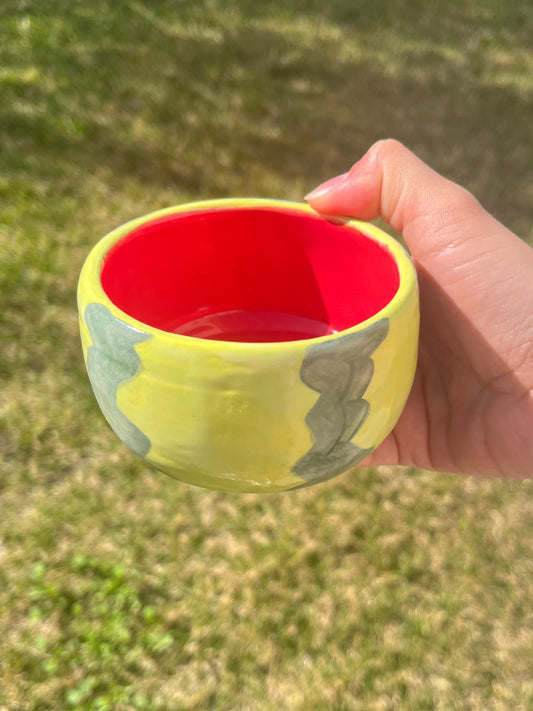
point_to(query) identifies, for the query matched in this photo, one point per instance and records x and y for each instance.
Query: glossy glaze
(269, 414)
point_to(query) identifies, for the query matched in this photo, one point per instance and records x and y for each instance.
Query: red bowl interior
(258, 274)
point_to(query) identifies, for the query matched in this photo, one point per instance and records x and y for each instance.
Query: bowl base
(251, 326)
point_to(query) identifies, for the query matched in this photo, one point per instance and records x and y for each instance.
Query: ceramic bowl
(249, 345)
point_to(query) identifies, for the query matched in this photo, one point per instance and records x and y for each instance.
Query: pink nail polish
(327, 187)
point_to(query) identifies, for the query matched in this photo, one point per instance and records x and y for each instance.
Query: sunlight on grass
(123, 589)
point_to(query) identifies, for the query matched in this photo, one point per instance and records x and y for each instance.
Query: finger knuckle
(388, 147)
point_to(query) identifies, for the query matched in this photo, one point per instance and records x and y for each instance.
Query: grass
(123, 589)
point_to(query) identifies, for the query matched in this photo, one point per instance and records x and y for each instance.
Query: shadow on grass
(371, 578)
(246, 99)
(207, 104)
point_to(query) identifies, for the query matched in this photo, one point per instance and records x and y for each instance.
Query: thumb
(460, 250)
(392, 183)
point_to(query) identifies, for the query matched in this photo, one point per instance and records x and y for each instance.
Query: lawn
(121, 588)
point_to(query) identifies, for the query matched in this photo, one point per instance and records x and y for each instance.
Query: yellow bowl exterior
(249, 416)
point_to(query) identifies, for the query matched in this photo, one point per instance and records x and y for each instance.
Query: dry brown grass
(123, 589)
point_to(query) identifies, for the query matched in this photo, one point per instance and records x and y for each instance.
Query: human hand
(470, 410)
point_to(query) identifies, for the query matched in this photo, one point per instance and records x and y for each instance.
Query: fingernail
(336, 219)
(327, 187)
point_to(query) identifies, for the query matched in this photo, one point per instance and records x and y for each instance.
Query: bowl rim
(90, 289)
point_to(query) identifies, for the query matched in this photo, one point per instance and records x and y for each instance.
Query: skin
(471, 407)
